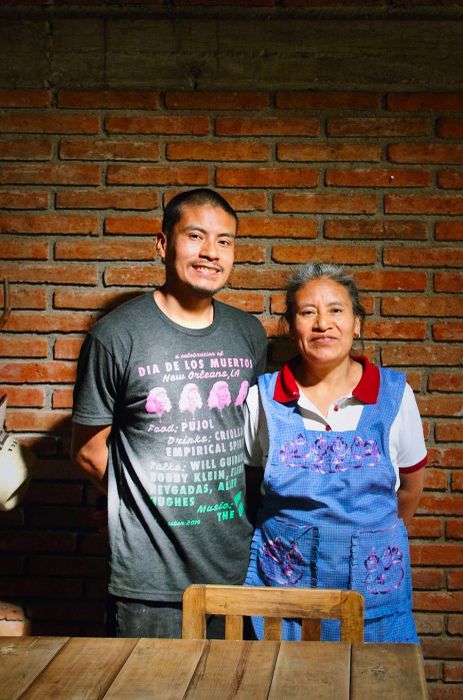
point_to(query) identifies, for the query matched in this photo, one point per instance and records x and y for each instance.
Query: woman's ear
(357, 327)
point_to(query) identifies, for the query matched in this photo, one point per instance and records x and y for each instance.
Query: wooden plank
(238, 670)
(157, 668)
(319, 670)
(387, 671)
(21, 661)
(85, 668)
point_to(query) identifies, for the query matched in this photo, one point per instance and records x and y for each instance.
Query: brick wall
(369, 180)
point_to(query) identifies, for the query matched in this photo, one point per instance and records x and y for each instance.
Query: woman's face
(323, 325)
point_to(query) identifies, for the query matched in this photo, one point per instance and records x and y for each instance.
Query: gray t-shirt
(176, 487)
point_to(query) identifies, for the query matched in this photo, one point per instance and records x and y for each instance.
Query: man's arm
(409, 493)
(89, 451)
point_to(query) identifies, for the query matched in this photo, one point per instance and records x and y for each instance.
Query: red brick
(425, 527)
(157, 175)
(29, 149)
(429, 624)
(208, 100)
(41, 322)
(377, 177)
(63, 274)
(423, 257)
(67, 348)
(51, 123)
(60, 566)
(52, 542)
(449, 432)
(442, 648)
(37, 420)
(246, 200)
(454, 528)
(11, 628)
(421, 306)
(252, 302)
(60, 174)
(328, 100)
(451, 179)
(25, 297)
(134, 276)
(277, 227)
(267, 126)
(427, 355)
(437, 600)
(329, 152)
(23, 199)
(437, 555)
(48, 224)
(259, 279)
(388, 280)
(435, 479)
(133, 225)
(108, 149)
(217, 151)
(441, 405)
(394, 330)
(108, 99)
(154, 124)
(46, 493)
(447, 331)
(455, 624)
(425, 153)
(449, 231)
(25, 98)
(453, 672)
(74, 611)
(28, 250)
(378, 126)
(374, 229)
(441, 504)
(425, 101)
(455, 580)
(37, 372)
(62, 398)
(267, 177)
(23, 346)
(104, 250)
(325, 203)
(423, 204)
(40, 587)
(448, 282)
(107, 199)
(83, 299)
(427, 579)
(432, 670)
(345, 255)
(249, 253)
(457, 485)
(24, 396)
(445, 381)
(450, 128)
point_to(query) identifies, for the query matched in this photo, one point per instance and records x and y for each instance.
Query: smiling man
(176, 487)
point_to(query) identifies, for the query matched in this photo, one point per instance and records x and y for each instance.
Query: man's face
(199, 252)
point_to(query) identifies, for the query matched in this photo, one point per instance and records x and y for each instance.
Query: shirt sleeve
(95, 390)
(406, 443)
(253, 454)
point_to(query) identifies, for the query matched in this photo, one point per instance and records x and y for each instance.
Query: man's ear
(161, 245)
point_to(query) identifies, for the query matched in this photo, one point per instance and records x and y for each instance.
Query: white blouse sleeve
(253, 452)
(406, 441)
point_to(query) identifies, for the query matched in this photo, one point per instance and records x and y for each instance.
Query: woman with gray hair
(343, 449)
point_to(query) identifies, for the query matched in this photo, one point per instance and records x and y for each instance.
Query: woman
(343, 445)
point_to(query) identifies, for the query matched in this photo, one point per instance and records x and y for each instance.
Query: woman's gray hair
(314, 271)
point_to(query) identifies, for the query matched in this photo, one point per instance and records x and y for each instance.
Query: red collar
(286, 389)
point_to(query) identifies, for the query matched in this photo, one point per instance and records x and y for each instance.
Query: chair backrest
(310, 605)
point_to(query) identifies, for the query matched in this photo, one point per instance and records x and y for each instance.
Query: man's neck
(197, 312)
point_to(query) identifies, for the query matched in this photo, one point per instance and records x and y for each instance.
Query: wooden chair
(310, 605)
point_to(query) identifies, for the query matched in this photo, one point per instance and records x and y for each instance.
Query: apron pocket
(380, 570)
(287, 554)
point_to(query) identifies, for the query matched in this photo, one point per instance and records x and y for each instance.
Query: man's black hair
(202, 195)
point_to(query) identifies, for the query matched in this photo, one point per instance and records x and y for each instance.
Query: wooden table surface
(56, 668)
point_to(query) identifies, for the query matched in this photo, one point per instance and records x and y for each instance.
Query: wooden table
(61, 668)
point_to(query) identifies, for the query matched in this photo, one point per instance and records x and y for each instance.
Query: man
(175, 481)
